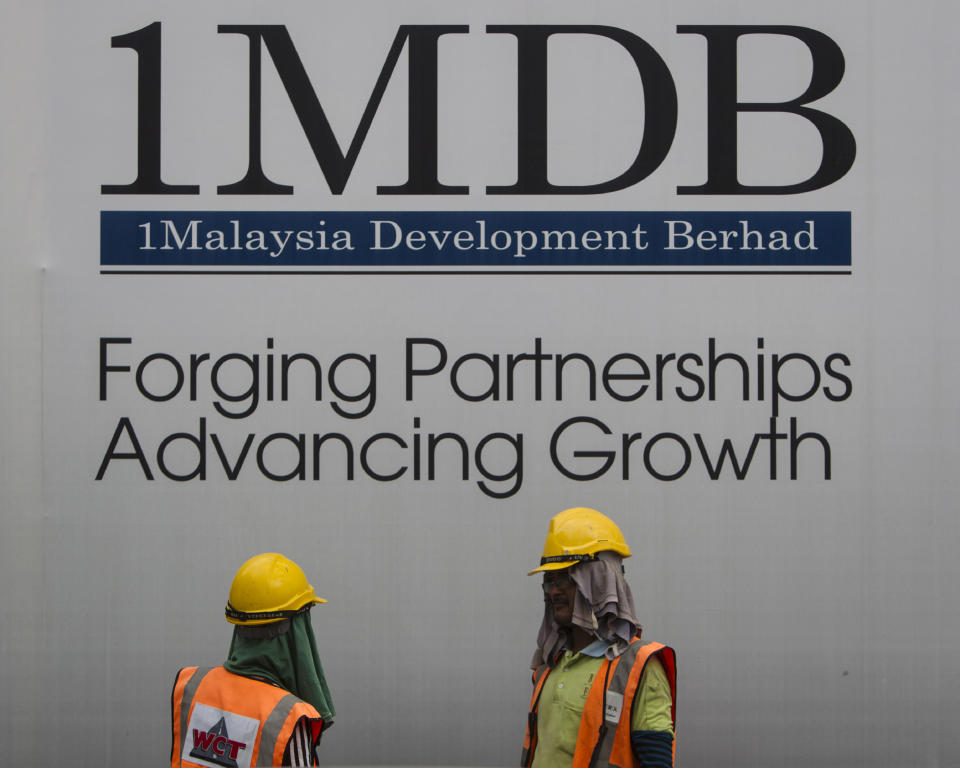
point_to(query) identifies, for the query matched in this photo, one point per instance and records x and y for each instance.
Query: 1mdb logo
(216, 746)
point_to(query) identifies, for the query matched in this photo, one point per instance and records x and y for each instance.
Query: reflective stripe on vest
(602, 742)
(530, 739)
(268, 713)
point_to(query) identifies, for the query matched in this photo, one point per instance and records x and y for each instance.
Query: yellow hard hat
(269, 588)
(578, 534)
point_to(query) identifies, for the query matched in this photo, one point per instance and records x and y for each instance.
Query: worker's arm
(301, 748)
(651, 722)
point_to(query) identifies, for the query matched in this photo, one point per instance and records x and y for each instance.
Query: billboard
(384, 286)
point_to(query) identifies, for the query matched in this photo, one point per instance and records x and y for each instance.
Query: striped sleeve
(300, 751)
(653, 749)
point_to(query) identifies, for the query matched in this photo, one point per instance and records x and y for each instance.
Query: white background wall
(816, 622)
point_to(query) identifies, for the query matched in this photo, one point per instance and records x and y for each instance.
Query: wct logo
(216, 746)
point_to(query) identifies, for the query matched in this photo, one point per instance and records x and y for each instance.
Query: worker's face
(559, 592)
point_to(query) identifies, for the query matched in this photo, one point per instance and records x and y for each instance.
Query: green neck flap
(289, 660)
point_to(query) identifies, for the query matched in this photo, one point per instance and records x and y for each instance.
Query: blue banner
(503, 239)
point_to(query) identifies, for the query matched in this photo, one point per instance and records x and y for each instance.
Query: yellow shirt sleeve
(652, 702)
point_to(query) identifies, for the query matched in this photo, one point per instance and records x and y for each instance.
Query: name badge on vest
(614, 707)
(219, 738)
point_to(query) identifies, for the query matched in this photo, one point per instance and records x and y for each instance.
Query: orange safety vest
(227, 720)
(605, 741)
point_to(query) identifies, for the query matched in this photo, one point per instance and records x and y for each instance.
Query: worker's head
(267, 589)
(560, 592)
(575, 536)
(273, 639)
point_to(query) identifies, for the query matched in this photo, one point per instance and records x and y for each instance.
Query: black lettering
(334, 163)
(515, 472)
(839, 146)
(411, 371)
(146, 42)
(104, 368)
(828, 366)
(199, 442)
(659, 104)
(124, 426)
(607, 456)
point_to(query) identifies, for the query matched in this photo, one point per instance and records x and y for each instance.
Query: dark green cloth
(289, 660)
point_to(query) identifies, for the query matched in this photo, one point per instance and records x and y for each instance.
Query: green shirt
(564, 695)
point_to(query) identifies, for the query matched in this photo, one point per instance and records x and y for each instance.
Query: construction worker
(269, 702)
(601, 696)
